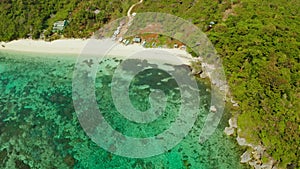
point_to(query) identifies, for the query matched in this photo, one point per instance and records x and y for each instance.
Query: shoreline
(76, 46)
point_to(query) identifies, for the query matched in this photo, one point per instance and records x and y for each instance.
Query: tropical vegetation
(258, 40)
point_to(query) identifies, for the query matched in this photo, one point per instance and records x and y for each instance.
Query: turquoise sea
(39, 127)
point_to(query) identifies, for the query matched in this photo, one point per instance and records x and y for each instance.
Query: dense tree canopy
(29, 19)
(259, 42)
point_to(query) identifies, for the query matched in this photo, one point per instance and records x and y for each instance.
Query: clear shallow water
(39, 127)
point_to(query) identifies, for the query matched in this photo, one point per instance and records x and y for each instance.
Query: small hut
(137, 40)
(59, 26)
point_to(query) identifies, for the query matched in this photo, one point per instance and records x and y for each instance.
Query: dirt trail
(123, 28)
(130, 9)
(229, 11)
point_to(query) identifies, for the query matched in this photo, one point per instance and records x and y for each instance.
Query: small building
(137, 40)
(59, 26)
(127, 42)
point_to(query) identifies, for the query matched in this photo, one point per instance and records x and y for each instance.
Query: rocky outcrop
(234, 103)
(229, 131)
(213, 71)
(253, 156)
(232, 127)
(233, 122)
(213, 109)
(246, 157)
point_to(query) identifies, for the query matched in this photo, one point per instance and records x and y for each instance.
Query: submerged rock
(3, 157)
(21, 164)
(69, 160)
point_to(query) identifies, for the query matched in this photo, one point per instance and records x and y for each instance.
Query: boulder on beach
(229, 131)
(246, 157)
(213, 109)
(233, 122)
(241, 141)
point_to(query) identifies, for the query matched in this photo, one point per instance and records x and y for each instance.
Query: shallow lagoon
(39, 127)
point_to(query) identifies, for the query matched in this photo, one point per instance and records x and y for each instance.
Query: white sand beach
(76, 46)
(70, 46)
